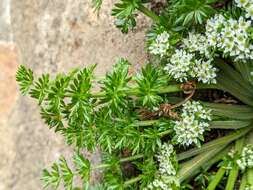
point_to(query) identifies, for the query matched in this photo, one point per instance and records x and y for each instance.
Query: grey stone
(5, 21)
(54, 36)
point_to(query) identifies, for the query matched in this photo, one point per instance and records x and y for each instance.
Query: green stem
(233, 174)
(132, 181)
(131, 158)
(147, 123)
(219, 175)
(101, 166)
(164, 133)
(243, 181)
(149, 13)
(250, 177)
(215, 143)
(163, 90)
(127, 159)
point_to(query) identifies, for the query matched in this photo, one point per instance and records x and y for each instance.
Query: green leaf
(82, 167)
(67, 174)
(149, 81)
(188, 168)
(96, 4)
(40, 88)
(217, 178)
(24, 77)
(115, 86)
(230, 124)
(124, 14)
(222, 141)
(52, 178)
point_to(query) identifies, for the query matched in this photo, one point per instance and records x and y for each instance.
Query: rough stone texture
(50, 36)
(5, 20)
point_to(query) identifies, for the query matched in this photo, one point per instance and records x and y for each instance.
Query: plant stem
(147, 123)
(127, 159)
(131, 158)
(235, 169)
(215, 143)
(219, 175)
(164, 90)
(243, 181)
(149, 13)
(132, 181)
(164, 133)
(250, 177)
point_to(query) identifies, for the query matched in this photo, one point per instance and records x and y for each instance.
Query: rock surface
(50, 36)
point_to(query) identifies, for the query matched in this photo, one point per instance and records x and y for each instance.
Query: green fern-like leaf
(115, 87)
(67, 174)
(124, 13)
(40, 88)
(149, 81)
(96, 4)
(82, 167)
(24, 77)
(187, 12)
(52, 178)
(80, 108)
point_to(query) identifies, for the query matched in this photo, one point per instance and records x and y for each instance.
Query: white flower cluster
(248, 187)
(158, 184)
(246, 160)
(164, 158)
(166, 170)
(194, 121)
(182, 66)
(161, 44)
(197, 43)
(230, 36)
(247, 5)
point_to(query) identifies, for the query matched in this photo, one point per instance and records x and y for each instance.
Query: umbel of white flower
(166, 170)
(247, 5)
(183, 66)
(246, 160)
(193, 123)
(230, 36)
(161, 45)
(197, 43)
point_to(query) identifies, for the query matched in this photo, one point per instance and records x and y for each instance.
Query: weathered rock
(5, 21)
(52, 36)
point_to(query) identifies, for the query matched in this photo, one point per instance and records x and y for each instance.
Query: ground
(50, 36)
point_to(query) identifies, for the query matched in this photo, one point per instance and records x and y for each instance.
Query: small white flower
(161, 44)
(242, 3)
(247, 5)
(193, 123)
(205, 72)
(197, 43)
(164, 158)
(230, 36)
(246, 160)
(249, 12)
(166, 171)
(183, 67)
(180, 65)
(158, 184)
